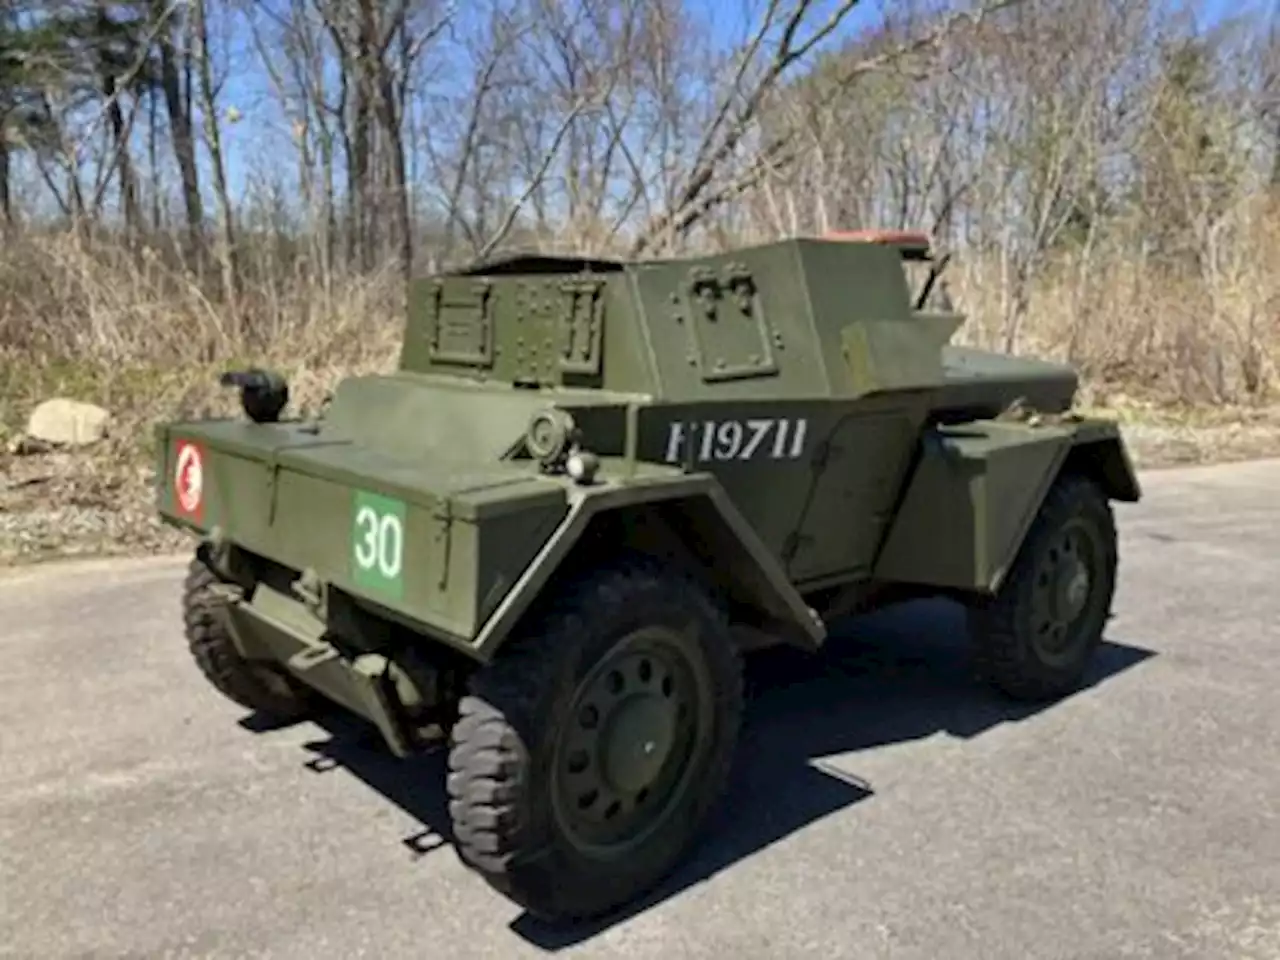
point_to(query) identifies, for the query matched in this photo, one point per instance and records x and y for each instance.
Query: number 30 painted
(381, 543)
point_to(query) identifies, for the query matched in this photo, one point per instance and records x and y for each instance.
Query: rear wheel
(1035, 638)
(254, 686)
(590, 752)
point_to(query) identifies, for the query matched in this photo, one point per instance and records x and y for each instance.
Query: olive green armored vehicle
(548, 539)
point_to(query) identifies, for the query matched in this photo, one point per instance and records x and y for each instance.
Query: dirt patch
(74, 504)
(1157, 446)
(1161, 436)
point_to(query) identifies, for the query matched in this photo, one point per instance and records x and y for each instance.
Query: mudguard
(976, 489)
(706, 509)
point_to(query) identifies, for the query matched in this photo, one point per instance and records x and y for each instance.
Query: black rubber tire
(1001, 628)
(252, 686)
(500, 780)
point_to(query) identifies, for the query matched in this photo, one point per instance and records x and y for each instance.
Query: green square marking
(377, 543)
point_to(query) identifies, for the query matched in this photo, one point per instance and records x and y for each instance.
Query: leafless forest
(1106, 172)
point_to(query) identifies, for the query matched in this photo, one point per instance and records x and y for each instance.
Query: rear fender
(697, 509)
(975, 491)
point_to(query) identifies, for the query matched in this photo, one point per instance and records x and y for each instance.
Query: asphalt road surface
(885, 806)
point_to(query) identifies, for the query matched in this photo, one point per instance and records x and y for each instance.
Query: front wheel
(590, 752)
(1035, 638)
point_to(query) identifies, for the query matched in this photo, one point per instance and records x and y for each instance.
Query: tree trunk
(391, 123)
(6, 195)
(124, 159)
(227, 259)
(178, 108)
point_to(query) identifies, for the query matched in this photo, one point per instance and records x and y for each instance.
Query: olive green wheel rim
(1065, 592)
(628, 754)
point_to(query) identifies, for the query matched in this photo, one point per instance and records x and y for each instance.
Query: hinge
(273, 481)
(443, 516)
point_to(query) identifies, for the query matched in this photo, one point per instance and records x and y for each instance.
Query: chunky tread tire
(499, 780)
(1006, 656)
(215, 654)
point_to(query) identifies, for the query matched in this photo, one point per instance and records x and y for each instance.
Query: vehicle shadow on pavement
(892, 677)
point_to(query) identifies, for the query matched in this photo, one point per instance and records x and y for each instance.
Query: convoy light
(549, 436)
(582, 466)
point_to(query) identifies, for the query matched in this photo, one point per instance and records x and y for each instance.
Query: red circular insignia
(188, 478)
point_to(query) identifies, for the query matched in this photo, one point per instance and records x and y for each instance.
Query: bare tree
(228, 257)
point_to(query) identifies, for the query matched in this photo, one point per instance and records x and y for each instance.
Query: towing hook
(263, 393)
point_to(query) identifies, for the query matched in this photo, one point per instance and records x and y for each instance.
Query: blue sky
(248, 86)
(262, 138)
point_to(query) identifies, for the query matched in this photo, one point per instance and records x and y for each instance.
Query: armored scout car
(549, 537)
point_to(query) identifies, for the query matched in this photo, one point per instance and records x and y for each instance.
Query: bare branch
(689, 208)
(548, 158)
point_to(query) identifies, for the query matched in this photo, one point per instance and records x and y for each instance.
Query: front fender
(975, 491)
(701, 498)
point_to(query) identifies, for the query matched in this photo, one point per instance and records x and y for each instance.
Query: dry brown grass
(83, 319)
(1188, 362)
(1178, 334)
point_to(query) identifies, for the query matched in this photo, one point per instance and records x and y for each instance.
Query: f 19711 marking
(763, 438)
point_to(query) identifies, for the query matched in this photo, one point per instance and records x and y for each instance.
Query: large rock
(67, 423)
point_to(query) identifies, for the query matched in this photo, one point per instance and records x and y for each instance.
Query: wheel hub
(1064, 586)
(637, 742)
(1072, 588)
(624, 756)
